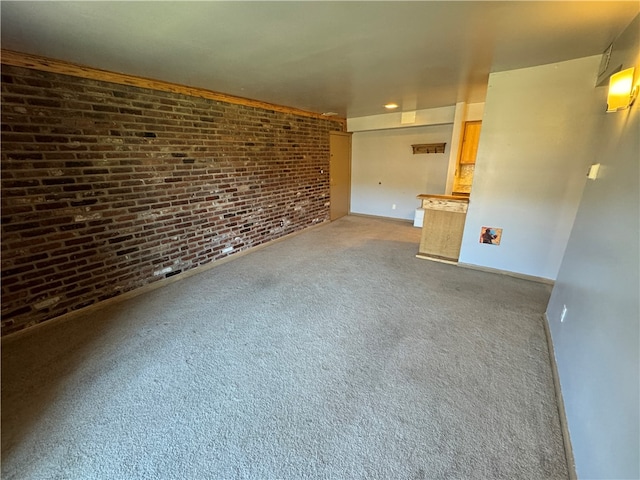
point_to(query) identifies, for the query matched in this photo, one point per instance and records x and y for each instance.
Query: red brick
(118, 182)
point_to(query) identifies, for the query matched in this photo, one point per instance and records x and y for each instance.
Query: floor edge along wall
(147, 288)
(564, 425)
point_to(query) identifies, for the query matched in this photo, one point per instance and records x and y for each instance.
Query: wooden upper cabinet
(470, 139)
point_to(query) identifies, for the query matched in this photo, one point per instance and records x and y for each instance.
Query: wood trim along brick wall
(37, 62)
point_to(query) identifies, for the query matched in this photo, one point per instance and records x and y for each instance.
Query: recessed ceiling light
(391, 106)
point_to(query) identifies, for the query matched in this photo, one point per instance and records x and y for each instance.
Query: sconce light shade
(622, 92)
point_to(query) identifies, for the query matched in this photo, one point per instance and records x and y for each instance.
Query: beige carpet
(334, 354)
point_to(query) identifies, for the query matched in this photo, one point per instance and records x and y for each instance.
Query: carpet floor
(333, 354)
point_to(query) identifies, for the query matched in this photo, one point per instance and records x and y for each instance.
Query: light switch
(592, 174)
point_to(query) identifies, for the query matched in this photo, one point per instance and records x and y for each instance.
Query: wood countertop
(455, 198)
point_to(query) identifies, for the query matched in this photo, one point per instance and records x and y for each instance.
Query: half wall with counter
(442, 226)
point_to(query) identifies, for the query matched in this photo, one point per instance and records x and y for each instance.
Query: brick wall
(107, 188)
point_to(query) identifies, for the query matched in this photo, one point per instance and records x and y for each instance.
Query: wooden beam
(37, 62)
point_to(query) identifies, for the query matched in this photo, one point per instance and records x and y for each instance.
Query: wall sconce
(622, 92)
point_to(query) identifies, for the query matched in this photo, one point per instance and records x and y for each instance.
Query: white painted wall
(597, 346)
(384, 121)
(474, 111)
(384, 170)
(531, 165)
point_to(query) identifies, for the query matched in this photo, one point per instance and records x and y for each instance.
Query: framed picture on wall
(490, 235)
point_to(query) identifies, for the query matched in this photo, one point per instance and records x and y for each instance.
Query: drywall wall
(597, 344)
(531, 165)
(385, 172)
(414, 118)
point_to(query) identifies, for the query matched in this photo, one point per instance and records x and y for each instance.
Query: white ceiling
(345, 57)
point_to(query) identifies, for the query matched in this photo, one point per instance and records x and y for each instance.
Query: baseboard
(523, 276)
(436, 258)
(393, 219)
(568, 450)
(151, 287)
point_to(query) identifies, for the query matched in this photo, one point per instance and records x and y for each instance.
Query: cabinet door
(470, 140)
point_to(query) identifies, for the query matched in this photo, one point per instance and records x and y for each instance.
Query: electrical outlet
(563, 314)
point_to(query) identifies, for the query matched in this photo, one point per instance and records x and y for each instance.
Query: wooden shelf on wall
(428, 148)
